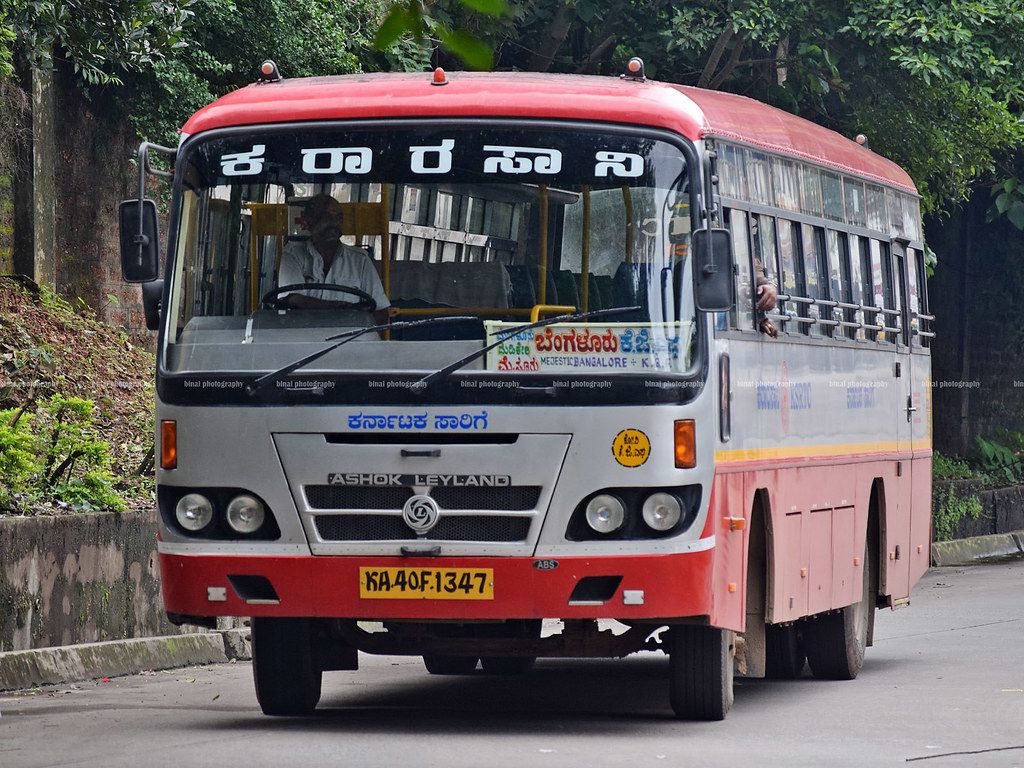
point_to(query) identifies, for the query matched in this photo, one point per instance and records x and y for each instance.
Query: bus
(471, 367)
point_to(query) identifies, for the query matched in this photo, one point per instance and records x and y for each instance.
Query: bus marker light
(439, 77)
(632, 597)
(856, 561)
(168, 444)
(685, 444)
(731, 586)
(216, 594)
(735, 523)
(803, 573)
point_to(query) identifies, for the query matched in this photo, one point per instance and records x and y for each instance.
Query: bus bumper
(647, 587)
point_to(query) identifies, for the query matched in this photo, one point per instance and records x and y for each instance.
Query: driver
(325, 259)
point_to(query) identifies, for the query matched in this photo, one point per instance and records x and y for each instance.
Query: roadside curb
(114, 658)
(978, 549)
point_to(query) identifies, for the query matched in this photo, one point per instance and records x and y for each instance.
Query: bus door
(898, 539)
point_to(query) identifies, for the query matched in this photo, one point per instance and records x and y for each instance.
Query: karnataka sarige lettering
(370, 421)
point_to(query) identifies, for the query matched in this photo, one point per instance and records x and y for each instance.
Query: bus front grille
(515, 498)
(495, 528)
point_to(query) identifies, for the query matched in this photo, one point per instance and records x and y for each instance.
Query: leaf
(1016, 214)
(398, 22)
(477, 54)
(490, 7)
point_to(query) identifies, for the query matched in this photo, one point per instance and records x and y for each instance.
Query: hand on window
(766, 296)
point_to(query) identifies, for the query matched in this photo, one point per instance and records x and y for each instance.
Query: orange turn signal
(168, 444)
(685, 444)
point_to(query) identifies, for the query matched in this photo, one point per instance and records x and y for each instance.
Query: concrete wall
(79, 578)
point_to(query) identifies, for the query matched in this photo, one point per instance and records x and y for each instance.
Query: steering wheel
(272, 299)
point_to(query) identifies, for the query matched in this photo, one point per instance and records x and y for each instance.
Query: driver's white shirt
(302, 263)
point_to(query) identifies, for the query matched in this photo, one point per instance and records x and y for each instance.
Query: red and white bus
(459, 365)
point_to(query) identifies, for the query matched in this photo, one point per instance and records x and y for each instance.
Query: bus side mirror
(714, 288)
(140, 241)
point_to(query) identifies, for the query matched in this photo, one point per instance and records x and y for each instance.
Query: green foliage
(1002, 461)
(949, 509)
(950, 468)
(1008, 200)
(98, 37)
(225, 42)
(408, 19)
(55, 456)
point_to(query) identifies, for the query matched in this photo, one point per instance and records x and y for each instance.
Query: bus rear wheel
(835, 642)
(700, 672)
(449, 665)
(284, 668)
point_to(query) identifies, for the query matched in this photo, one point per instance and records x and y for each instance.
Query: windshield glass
(286, 237)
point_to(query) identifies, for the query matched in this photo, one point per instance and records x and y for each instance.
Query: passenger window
(792, 272)
(813, 247)
(786, 177)
(838, 275)
(765, 251)
(899, 265)
(868, 283)
(810, 190)
(832, 195)
(856, 207)
(759, 177)
(876, 209)
(919, 293)
(732, 172)
(742, 316)
(882, 278)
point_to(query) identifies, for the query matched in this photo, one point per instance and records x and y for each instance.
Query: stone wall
(79, 578)
(1002, 508)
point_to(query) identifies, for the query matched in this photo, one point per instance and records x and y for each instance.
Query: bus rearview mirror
(714, 289)
(140, 241)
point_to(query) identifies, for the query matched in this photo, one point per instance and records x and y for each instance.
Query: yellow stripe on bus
(819, 451)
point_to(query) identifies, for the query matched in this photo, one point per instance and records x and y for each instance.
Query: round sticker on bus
(631, 447)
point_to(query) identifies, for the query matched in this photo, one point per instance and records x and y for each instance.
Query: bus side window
(889, 293)
(742, 316)
(815, 273)
(863, 256)
(859, 293)
(838, 277)
(762, 234)
(878, 287)
(791, 279)
(919, 298)
(899, 264)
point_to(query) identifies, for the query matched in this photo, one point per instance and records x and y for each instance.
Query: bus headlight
(245, 514)
(662, 511)
(605, 513)
(193, 511)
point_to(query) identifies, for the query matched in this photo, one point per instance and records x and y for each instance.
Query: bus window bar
(929, 318)
(829, 323)
(925, 334)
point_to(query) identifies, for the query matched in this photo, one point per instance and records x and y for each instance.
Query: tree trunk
(557, 31)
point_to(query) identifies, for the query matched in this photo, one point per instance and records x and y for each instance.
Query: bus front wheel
(284, 668)
(701, 672)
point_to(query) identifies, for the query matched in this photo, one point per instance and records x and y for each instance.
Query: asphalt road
(942, 686)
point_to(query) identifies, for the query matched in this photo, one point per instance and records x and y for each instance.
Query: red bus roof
(692, 112)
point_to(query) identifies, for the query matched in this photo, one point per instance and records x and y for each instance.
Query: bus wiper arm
(340, 340)
(503, 336)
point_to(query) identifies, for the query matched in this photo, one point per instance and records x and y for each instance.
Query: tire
(701, 672)
(284, 669)
(784, 652)
(449, 665)
(835, 642)
(507, 665)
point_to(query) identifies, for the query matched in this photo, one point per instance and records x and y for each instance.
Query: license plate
(426, 583)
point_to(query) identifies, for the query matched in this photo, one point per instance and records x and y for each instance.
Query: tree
(97, 37)
(935, 84)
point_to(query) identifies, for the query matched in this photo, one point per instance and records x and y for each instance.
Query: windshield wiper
(342, 339)
(503, 336)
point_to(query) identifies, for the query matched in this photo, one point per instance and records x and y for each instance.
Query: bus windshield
(289, 235)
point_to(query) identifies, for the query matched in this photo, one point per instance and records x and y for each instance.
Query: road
(942, 686)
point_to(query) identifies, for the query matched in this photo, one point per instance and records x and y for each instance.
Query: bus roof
(692, 112)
